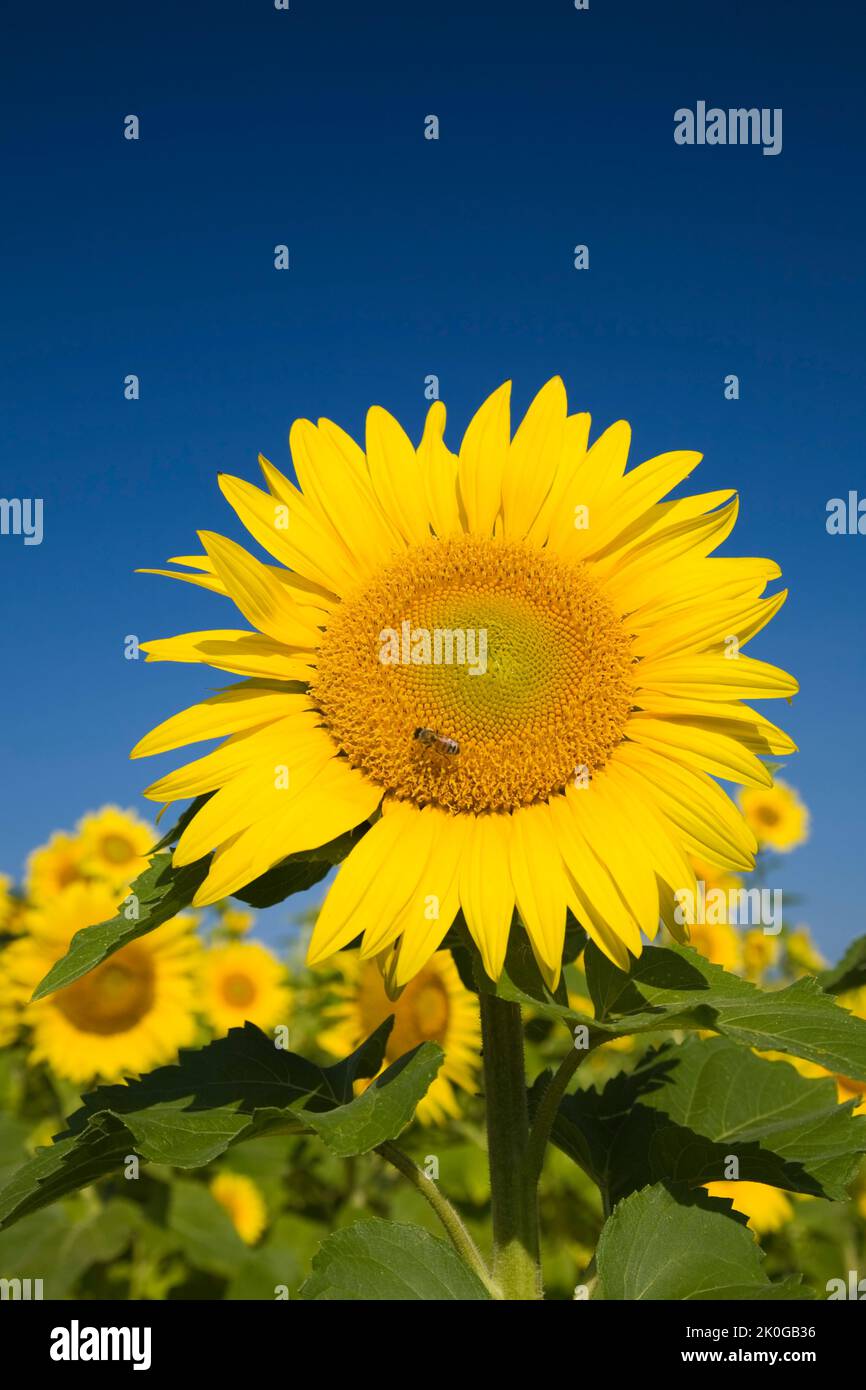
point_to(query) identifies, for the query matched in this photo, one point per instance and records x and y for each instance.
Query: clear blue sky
(411, 257)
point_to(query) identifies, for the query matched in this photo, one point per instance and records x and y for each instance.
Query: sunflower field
(550, 1030)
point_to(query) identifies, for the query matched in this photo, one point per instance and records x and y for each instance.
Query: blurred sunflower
(578, 759)
(776, 815)
(718, 943)
(241, 1198)
(10, 1014)
(714, 877)
(54, 866)
(768, 1208)
(7, 902)
(760, 953)
(802, 953)
(236, 921)
(434, 1007)
(128, 1015)
(243, 982)
(115, 844)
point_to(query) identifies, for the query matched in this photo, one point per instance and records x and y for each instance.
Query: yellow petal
(483, 454)
(396, 476)
(439, 470)
(486, 892)
(287, 531)
(259, 596)
(343, 496)
(229, 712)
(703, 747)
(375, 882)
(337, 800)
(256, 794)
(533, 460)
(539, 889)
(715, 677)
(286, 737)
(228, 649)
(710, 826)
(590, 485)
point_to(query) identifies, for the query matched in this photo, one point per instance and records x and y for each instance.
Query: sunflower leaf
(384, 1109)
(279, 883)
(674, 987)
(159, 893)
(387, 1261)
(664, 1243)
(237, 1088)
(850, 973)
(685, 1111)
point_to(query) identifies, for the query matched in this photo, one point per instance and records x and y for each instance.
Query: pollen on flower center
(501, 648)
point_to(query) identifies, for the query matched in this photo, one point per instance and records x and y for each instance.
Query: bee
(428, 738)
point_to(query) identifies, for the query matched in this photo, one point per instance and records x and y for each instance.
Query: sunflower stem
(514, 1199)
(450, 1218)
(546, 1112)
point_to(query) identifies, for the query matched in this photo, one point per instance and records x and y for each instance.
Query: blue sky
(411, 257)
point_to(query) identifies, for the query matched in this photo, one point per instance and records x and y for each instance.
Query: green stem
(516, 1261)
(547, 1108)
(460, 1237)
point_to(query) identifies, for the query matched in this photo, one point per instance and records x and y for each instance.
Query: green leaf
(384, 1109)
(279, 883)
(656, 1247)
(674, 987)
(686, 1109)
(237, 1088)
(57, 1246)
(209, 1238)
(385, 1261)
(850, 973)
(160, 892)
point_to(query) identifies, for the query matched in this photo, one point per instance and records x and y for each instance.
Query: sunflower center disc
(113, 997)
(501, 649)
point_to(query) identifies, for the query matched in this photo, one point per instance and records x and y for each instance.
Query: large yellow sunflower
(434, 1007)
(128, 1015)
(242, 981)
(515, 663)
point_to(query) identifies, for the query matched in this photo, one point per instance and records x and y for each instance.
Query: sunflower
(776, 815)
(115, 844)
(760, 953)
(10, 1014)
(802, 954)
(128, 1015)
(510, 667)
(713, 877)
(719, 943)
(54, 866)
(235, 921)
(239, 1196)
(434, 1007)
(243, 982)
(7, 902)
(768, 1208)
